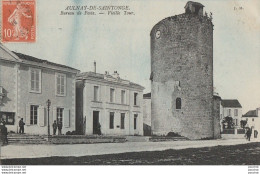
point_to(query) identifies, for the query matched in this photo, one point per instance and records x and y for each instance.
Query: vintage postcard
(118, 82)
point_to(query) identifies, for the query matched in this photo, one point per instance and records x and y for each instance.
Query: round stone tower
(182, 74)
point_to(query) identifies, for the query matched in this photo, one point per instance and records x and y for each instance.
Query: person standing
(4, 134)
(255, 133)
(248, 134)
(54, 126)
(59, 127)
(21, 125)
(99, 129)
(1, 133)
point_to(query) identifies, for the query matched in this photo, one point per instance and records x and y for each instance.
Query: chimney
(95, 67)
(116, 75)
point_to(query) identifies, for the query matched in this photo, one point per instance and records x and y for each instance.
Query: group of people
(55, 126)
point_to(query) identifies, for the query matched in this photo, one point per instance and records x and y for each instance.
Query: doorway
(95, 122)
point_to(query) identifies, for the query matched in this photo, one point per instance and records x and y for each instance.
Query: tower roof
(194, 8)
(192, 3)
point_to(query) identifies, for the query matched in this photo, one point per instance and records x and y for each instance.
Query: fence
(228, 131)
(241, 131)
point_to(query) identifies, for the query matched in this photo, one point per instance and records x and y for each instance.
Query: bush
(71, 133)
(173, 134)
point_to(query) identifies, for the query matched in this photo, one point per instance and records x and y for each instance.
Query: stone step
(23, 138)
(137, 139)
(155, 139)
(28, 142)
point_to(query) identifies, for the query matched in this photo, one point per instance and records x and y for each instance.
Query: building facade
(231, 108)
(110, 102)
(26, 83)
(182, 74)
(253, 121)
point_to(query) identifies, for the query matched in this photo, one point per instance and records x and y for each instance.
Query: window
(246, 119)
(7, 117)
(236, 122)
(96, 93)
(178, 103)
(33, 114)
(253, 119)
(60, 115)
(112, 95)
(123, 97)
(229, 112)
(122, 120)
(111, 120)
(135, 98)
(60, 84)
(135, 121)
(236, 112)
(35, 80)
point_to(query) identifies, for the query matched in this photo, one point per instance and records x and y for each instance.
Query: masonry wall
(182, 66)
(216, 112)
(147, 116)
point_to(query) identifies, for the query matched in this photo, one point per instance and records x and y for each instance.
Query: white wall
(104, 106)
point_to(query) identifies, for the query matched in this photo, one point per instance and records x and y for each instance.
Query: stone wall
(147, 116)
(216, 112)
(182, 66)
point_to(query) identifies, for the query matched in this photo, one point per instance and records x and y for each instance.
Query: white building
(253, 121)
(231, 108)
(108, 100)
(26, 84)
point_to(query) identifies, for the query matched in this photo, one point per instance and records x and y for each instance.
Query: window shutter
(54, 114)
(66, 116)
(27, 114)
(32, 80)
(41, 116)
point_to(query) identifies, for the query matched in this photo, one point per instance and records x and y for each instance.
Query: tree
(243, 123)
(228, 121)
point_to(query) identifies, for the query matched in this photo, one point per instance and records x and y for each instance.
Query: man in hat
(54, 126)
(21, 125)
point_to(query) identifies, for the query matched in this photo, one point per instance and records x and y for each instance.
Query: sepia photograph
(129, 82)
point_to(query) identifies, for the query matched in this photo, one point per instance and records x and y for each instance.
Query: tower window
(178, 103)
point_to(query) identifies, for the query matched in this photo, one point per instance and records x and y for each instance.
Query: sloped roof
(233, 103)
(37, 60)
(251, 113)
(147, 95)
(104, 77)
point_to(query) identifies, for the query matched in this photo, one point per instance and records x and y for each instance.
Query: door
(95, 122)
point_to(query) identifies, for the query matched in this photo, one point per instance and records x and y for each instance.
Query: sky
(122, 43)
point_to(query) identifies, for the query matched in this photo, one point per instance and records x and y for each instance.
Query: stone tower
(182, 74)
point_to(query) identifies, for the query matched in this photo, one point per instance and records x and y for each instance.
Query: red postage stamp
(18, 21)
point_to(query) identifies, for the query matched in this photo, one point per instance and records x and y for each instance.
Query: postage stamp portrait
(18, 21)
